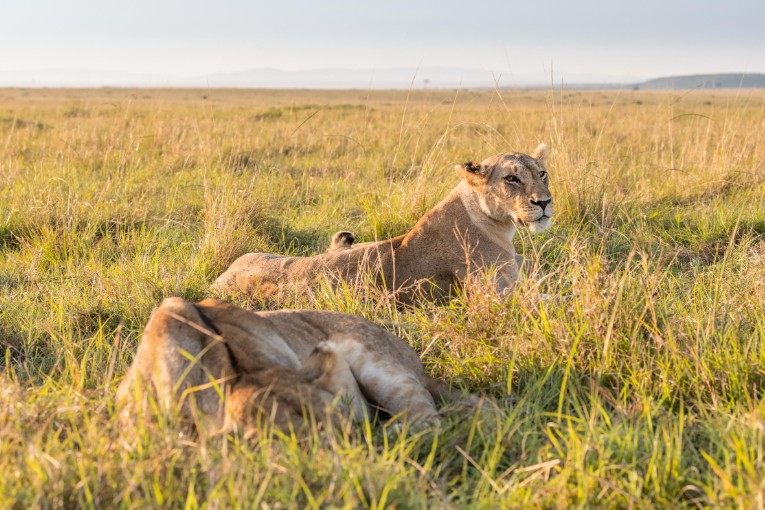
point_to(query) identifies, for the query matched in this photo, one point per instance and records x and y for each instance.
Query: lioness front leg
(503, 278)
(528, 271)
(521, 264)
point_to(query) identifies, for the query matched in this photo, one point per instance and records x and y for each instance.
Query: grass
(640, 387)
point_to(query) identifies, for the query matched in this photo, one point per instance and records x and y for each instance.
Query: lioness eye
(542, 175)
(512, 179)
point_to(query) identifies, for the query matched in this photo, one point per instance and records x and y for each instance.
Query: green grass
(640, 386)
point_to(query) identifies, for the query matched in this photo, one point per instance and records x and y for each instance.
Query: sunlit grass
(639, 384)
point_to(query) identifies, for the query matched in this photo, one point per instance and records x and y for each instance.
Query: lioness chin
(470, 231)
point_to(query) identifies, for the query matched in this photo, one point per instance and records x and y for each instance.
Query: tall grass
(638, 385)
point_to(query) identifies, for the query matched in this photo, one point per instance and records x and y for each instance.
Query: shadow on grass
(8, 239)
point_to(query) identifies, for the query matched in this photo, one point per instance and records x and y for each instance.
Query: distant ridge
(705, 81)
(383, 78)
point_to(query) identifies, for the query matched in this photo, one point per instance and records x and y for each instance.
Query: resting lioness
(221, 367)
(471, 230)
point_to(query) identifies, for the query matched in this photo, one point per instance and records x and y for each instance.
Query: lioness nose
(541, 203)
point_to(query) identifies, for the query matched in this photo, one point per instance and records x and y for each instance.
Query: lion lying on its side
(224, 367)
(471, 230)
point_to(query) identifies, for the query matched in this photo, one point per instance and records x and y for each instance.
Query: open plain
(639, 384)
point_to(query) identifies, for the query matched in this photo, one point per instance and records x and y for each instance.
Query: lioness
(224, 367)
(471, 230)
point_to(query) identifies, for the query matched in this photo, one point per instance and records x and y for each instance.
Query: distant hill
(705, 81)
(383, 78)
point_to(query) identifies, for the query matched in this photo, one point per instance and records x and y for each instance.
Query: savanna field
(639, 384)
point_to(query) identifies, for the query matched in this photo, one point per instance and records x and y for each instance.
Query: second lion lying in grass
(223, 367)
(471, 230)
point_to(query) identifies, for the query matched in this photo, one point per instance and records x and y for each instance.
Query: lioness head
(512, 187)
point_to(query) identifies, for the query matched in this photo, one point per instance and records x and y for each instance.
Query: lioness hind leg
(388, 385)
(181, 363)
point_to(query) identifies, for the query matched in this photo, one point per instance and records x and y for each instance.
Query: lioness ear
(540, 153)
(475, 175)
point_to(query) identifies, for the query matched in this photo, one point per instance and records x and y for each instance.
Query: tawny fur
(471, 230)
(222, 367)
(342, 240)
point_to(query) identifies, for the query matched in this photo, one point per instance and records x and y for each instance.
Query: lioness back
(273, 276)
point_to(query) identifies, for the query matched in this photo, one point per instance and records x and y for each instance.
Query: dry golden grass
(641, 386)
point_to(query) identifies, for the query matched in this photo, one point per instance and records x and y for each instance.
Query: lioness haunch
(470, 230)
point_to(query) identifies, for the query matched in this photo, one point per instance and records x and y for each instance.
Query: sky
(191, 38)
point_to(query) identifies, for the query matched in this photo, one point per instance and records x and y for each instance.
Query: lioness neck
(462, 211)
(500, 233)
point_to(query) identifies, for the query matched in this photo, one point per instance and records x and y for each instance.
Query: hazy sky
(644, 38)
